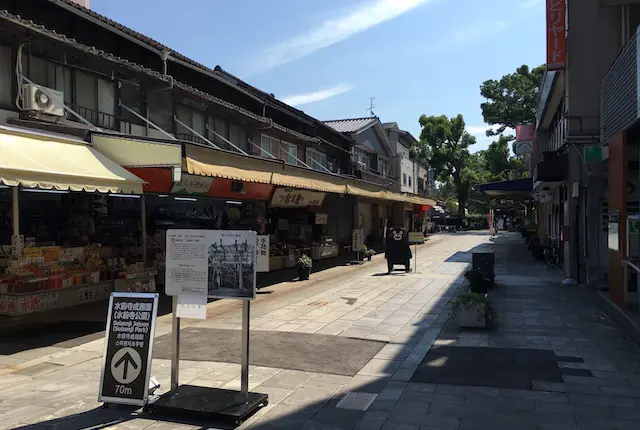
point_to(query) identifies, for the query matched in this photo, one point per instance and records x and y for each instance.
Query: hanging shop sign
(126, 366)
(216, 263)
(613, 231)
(192, 185)
(262, 253)
(285, 198)
(322, 218)
(556, 34)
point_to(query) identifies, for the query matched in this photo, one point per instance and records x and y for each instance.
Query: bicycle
(551, 254)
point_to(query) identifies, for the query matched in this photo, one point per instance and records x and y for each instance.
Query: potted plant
(304, 265)
(473, 310)
(477, 281)
(369, 253)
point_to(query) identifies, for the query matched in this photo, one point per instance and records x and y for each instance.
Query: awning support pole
(261, 150)
(227, 141)
(136, 114)
(297, 159)
(15, 210)
(143, 223)
(175, 118)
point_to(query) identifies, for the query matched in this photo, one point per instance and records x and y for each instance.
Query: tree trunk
(461, 206)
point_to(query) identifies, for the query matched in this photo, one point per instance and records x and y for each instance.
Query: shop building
(204, 149)
(572, 182)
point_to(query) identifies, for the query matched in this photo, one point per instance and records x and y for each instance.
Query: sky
(330, 57)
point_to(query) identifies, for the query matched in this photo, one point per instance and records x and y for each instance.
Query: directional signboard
(126, 366)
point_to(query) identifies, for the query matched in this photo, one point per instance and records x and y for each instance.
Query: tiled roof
(218, 71)
(149, 41)
(38, 28)
(351, 125)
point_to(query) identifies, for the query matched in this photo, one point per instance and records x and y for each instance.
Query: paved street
(341, 350)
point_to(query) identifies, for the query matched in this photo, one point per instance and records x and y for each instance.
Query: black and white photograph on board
(232, 264)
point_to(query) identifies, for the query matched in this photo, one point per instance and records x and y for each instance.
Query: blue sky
(328, 57)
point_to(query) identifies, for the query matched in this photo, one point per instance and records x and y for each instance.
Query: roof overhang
(518, 189)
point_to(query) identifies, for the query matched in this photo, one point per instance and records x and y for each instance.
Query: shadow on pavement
(389, 387)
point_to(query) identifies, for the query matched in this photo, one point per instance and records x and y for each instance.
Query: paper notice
(192, 306)
(186, 262)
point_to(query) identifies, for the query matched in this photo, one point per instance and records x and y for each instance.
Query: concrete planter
(473, 316)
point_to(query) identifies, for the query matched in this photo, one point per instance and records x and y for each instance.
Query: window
(269, 145)
(239, 136)
(5, 77)
(289, 153)
(316, 159)
(404, 179)
(192, 119)
(364, 158)
(95, 99)
(409, 180)
(384, 167)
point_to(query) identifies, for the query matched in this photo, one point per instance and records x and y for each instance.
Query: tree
(448, 142)
(512, 100)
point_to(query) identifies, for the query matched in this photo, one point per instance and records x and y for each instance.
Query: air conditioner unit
(42, 99)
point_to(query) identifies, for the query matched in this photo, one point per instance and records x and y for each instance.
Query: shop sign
(408, 207)
(357, 239)
(416, 237)
(262, 250)
(214, 263)
(613, 230)
(296, 198)
(322, 218)
(192, 184)
(126, 365)
(556, 34)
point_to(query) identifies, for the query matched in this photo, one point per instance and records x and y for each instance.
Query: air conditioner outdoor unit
(42, 99)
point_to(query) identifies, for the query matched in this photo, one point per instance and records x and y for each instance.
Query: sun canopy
(50, 161)
(518, 189)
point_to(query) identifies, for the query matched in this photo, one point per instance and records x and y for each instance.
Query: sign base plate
(205, 402)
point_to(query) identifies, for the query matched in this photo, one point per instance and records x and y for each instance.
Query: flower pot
(303, 272)
(473, 316)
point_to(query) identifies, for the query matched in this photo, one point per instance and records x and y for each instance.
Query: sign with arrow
(126, 367)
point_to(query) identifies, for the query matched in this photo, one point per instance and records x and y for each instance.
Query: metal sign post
(415, 258)
(244, 375)
(219, 264)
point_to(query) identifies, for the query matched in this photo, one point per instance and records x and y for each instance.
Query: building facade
(581, 162)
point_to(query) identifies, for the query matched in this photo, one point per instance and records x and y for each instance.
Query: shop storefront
(72, 226)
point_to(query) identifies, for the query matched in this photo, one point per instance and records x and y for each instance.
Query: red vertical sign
(556, 34)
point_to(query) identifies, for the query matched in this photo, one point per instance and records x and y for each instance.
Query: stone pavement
(45, 388)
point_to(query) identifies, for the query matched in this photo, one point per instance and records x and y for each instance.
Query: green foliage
(305, 261)
(512, 100)
(448, 142)
(478, 281)
(466, 300)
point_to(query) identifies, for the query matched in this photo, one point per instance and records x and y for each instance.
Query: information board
(357, 239)
(126, 366)
(213, 263)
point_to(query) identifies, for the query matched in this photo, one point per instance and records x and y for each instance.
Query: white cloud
(316, 96)
(336, 29)
(478, 31)
(528, 4)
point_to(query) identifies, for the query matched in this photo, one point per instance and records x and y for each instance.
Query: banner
(556, 34)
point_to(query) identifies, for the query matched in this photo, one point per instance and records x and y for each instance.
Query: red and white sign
(524, 139)
(556, 34)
